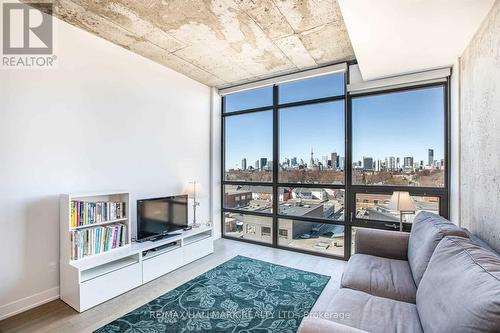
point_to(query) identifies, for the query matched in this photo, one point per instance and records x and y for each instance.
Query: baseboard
(29, 302)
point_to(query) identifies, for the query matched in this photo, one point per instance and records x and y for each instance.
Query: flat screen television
(159, 216)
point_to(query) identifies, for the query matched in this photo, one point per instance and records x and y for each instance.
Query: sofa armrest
(382, 243)
(320, 325)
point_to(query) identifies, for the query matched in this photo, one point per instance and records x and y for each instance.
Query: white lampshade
(189, 189)
(402, 201)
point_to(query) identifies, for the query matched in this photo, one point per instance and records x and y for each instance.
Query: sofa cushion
(372, 313)
(427, 231)
(460, 290)
(379, 276)
(481, 243)
(382, 243)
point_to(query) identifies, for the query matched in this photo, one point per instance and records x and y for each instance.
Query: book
(87, 213)
(95, 240)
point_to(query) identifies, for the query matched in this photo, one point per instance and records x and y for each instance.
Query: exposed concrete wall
(455, 144)
(480, 131)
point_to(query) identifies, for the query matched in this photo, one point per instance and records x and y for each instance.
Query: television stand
(95, 279)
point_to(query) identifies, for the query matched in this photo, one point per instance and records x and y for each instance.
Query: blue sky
(318, 87)
(399, 124)
(249, 136)
(319, 127)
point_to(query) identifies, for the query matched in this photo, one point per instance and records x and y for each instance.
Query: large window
(398, 144)
(324, 203)
(399, 138)
(249, 198)
(376, 207)
(249, 147)
(249, 99)
(305, 163)
(312, 237)
(314, 88)
(248, 227)
(312, 143)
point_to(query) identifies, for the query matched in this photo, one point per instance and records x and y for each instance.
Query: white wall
(105, 119)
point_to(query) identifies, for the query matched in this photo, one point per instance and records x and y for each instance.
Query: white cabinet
(194, 245)
(90, 281)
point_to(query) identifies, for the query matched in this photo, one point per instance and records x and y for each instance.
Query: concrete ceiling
(392, 37)
(219, 42)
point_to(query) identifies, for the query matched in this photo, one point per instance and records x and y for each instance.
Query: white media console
(95, 279)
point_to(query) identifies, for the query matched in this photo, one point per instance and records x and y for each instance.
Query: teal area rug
(241, 295)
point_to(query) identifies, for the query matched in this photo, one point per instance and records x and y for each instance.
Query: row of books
(85, 213)
(90, 241)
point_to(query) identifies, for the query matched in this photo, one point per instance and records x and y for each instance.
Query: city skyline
(398, 161)
(319, 157)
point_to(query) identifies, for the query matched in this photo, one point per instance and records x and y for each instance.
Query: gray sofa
(434, 279)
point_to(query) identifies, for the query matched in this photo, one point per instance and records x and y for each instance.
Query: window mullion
(275, 163)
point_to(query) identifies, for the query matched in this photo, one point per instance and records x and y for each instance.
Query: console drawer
(161, 264)
(198, 249)
(105, 287)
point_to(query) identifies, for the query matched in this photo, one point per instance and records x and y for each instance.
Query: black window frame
(350, 190)
(441, 192)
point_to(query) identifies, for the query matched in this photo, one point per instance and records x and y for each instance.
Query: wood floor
(58, 317)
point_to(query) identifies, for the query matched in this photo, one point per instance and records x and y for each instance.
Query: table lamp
(402, 202)
(193, 190)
